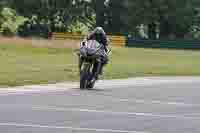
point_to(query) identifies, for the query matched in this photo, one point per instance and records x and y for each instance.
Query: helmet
(99, 30)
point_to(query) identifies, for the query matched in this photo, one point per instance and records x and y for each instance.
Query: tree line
(164, 19)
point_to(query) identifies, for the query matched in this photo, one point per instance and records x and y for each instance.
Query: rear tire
(91, 84)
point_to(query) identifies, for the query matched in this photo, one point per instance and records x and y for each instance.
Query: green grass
(27, 65)
(22, 65)
(132, 62)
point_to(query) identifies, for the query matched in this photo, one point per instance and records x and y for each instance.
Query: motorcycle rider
(100, 36)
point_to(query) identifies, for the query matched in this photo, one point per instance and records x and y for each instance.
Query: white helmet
(99, 30)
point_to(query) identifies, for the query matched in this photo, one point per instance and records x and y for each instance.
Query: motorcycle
(91, 55)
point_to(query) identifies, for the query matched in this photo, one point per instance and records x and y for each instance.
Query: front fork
(96, 69)
(80, 62)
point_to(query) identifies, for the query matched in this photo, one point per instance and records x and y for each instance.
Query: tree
(116, 16)
(58, 12)
(99, 8)
(173, 16)
(10, 21)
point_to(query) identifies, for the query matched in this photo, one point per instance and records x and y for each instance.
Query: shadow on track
(94, 89)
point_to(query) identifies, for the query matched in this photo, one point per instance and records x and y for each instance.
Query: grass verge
(25, 64)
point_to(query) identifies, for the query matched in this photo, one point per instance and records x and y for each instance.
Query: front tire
(83, 81)
(84, 77)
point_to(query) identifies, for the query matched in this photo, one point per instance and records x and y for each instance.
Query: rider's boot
(101, 70)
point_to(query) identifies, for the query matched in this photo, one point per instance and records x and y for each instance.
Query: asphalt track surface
(140, 105)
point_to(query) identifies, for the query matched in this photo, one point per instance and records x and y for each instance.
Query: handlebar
(77, 51)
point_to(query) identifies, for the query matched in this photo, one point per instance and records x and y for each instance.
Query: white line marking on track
(101, 83)
(181, 104)
(61, 109)
(115, 113)
(68, 128)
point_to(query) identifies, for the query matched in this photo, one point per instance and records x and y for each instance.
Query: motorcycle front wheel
(84, 76)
